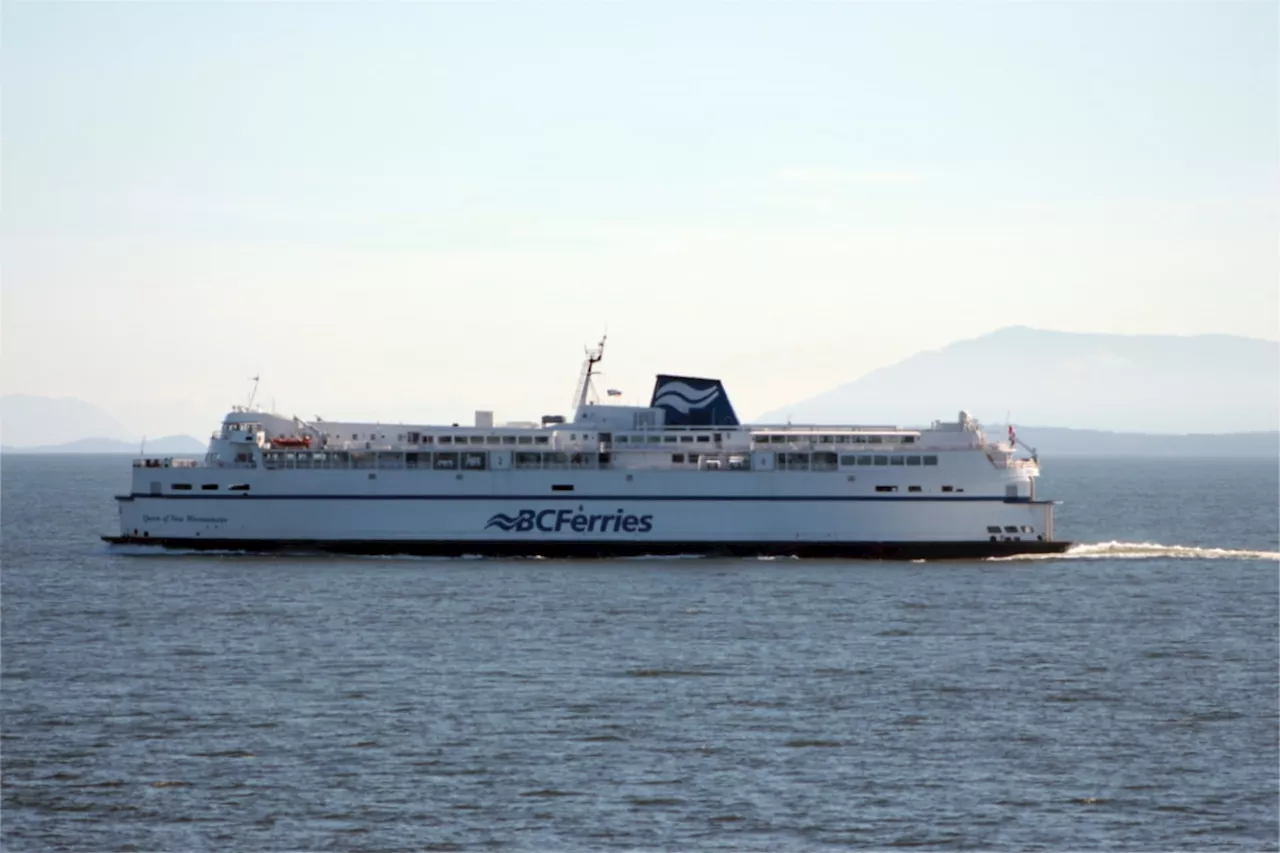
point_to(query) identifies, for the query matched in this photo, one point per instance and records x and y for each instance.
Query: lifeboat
(291, 441)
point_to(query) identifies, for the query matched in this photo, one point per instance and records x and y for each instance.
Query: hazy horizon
(412, 211)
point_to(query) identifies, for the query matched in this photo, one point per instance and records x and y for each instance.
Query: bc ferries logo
(557, 520)
(684, 398)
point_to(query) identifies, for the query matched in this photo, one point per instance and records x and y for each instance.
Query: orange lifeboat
(291, 441)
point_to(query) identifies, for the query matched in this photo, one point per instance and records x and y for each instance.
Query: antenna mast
(594, 356)
(254, 392)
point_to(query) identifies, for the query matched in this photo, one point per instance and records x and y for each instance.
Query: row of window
(788, 438)
(687, 438)
(417, 438)
(1010, 528)
(530, 459)
(208, 487)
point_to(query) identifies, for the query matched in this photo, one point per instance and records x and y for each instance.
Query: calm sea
(1122, 697)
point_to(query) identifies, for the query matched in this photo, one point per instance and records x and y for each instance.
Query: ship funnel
(693, 401)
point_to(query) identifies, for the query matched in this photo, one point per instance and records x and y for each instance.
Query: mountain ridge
(1154, 384)
(165, 445)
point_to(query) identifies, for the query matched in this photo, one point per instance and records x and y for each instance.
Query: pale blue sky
(414, 210)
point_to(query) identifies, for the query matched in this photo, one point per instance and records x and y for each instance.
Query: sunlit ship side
(679, 476)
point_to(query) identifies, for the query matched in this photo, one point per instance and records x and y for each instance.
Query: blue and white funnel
(691, 401)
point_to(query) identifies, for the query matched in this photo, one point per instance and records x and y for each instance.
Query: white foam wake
(1147, 550)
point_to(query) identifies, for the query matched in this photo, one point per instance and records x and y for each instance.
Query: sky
(409, 211)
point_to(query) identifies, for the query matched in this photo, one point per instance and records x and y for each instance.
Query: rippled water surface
(1122, 697)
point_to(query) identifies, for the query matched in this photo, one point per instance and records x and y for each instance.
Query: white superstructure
(680, 475)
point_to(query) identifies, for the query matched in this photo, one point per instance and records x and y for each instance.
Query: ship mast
(594, 357)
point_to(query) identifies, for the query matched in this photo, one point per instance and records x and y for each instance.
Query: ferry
(679, 476)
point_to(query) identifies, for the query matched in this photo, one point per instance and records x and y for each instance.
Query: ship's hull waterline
(608, 549)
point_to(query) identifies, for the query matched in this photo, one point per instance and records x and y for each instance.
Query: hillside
(1116, 383)
(28, 420)
(176, 445)
(1056, 441)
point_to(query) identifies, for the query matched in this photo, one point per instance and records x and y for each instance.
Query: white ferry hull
(906, 527)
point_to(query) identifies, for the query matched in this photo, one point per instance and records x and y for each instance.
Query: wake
(1146, 551)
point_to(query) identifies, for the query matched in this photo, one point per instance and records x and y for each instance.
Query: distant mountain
(170, 445)
(1055, 441)
(27, 420)
(1125, 383)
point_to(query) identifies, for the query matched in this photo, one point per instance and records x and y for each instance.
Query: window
(704, 439)
(493, 439)
(848, 459)
(948, 488)
(508, 439)
(882, 460)
(475, 439)
(540, 439)
(669, 439)
(446, 439)
(622, 439)
(446, 460)
(913, 460)
(876, 439)
(1009, 528)
(473, 461)
(886, 488)
(687, 439)
(560, 487)
(413, 438)
(181, 487)
(426, 439)
(865, 460)
(238, 487)
(991, 528)
(897, 460)
(210, 487)
(795, 461)
(931, 460)
(913, 488)
(824, 461)
(677, 458)
(528, 460)
(524, 439)
(908, 439)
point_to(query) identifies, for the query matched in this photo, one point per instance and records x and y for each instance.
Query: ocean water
(1123, 696)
